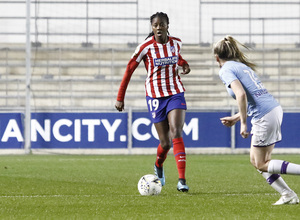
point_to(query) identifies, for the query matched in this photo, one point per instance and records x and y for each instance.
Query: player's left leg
(176, 119)
(283, 167)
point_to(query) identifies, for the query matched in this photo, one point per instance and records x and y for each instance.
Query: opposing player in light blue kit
(238, 75)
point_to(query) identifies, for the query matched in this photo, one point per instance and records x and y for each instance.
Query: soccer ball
(149, 185)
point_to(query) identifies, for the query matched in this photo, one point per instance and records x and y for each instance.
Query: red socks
(161, 156)
(179, 153)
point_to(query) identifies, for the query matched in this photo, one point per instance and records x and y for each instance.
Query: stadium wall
(130, 133)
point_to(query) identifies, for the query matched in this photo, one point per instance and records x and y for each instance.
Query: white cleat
(288, 199)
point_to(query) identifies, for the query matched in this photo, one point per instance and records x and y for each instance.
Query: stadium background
(73, 59)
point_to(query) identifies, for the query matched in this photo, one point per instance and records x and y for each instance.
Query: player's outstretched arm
(231, 120)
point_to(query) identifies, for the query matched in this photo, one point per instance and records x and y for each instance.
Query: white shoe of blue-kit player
(289, 198)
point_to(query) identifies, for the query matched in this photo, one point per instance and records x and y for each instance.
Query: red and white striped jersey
(161, 62)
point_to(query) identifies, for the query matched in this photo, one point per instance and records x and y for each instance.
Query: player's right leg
(260, 157)
(163, 148)
(158, 166)
(288, 196)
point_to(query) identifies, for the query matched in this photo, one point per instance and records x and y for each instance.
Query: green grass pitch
(105, 187)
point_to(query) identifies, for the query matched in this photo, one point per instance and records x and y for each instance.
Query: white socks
(277, 167)
(283, 167)
(276, 182)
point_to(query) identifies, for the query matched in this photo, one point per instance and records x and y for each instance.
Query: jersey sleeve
(131, 66)
(181, 61)
(133, 63)
(139, 53)
(227, 77)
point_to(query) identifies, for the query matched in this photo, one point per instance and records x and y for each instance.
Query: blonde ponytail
(227, 49)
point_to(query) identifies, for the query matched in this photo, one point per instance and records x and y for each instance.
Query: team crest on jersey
(153, 115)
(173, 49)
(165, 61)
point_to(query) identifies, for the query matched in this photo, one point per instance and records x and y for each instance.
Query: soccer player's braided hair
(160, 15)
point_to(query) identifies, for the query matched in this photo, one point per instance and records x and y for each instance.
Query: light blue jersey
(260, 101)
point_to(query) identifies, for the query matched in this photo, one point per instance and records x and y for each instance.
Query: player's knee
(252, 161)
(175, 133)
(255, 165)
(166, 145)
(261, 166)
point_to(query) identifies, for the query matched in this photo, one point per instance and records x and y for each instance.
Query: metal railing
(99, 80)
(248, 18)
(87, 19)
(262, 34)
(106, 72)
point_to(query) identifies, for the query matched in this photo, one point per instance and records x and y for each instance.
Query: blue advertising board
(79, 130)
(201, 129)
(110, 131)
(290, 131)
(239, 141)
(11, 131)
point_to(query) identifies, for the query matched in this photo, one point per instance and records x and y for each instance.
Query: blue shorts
(160, 107)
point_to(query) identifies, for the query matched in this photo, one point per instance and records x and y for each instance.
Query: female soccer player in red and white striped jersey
(164, 92)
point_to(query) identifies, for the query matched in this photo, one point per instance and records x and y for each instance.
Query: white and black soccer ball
(149, 185)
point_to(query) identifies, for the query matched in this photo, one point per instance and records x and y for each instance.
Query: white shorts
(267, 130)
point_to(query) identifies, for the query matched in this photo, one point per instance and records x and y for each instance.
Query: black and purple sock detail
(273, 178)
(284, 167)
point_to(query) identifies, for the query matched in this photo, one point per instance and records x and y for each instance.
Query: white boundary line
(140, 151)
(133, 195)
